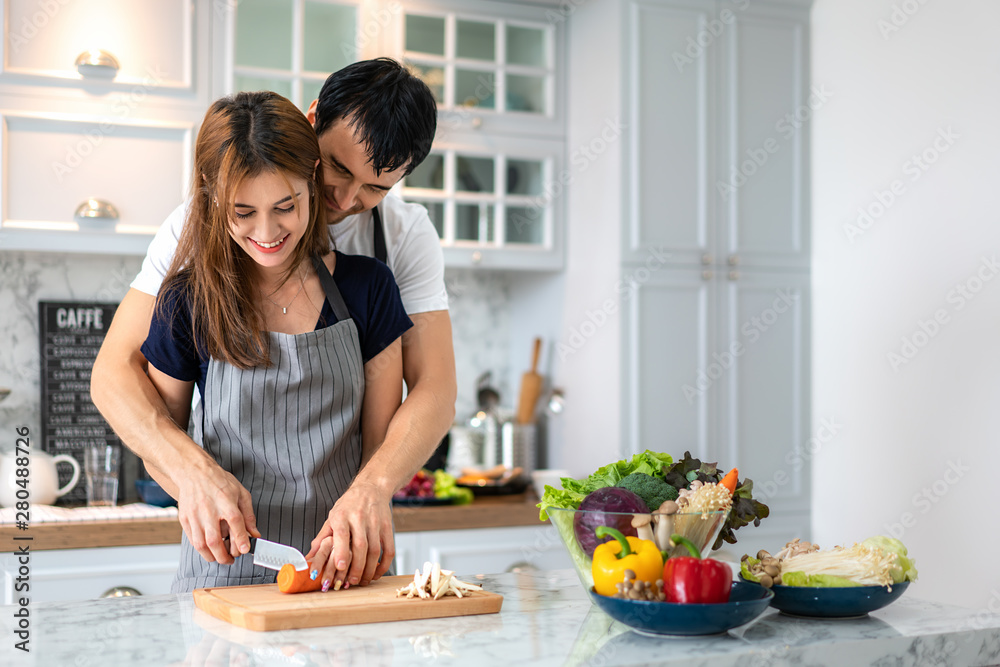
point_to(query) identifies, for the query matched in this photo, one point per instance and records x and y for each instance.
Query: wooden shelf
(485, 512)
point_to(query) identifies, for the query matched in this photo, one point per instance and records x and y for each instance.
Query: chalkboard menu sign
(70, 335)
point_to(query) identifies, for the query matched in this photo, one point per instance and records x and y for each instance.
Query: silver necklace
(284, 309)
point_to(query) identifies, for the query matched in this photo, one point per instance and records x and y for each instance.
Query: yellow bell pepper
(612, 558)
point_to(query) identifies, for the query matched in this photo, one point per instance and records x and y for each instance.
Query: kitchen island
(546, 619)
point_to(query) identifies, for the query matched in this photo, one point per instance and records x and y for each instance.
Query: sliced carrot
(731, 480)
(291, 580)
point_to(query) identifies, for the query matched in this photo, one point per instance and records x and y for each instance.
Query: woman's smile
(274, 246)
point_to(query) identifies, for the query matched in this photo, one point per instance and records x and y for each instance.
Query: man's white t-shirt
(413, 251)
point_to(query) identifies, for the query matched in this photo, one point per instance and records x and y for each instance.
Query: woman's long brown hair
(242, 136)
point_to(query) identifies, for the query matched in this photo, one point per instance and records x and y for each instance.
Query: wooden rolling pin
(531, 389)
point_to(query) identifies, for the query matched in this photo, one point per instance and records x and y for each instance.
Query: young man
(375, 123)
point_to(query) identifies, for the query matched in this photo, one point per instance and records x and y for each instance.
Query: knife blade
(273, 555)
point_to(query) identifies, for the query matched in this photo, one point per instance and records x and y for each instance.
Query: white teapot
(43, 481)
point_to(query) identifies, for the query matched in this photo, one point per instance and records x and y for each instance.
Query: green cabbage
(745, 569)
(904, 569)
(815, 580)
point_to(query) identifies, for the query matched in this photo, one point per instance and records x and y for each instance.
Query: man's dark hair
(393, 111)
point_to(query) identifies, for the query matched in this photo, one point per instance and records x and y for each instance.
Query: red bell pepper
(692, 580)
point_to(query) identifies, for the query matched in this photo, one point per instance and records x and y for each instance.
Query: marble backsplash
(479, 314)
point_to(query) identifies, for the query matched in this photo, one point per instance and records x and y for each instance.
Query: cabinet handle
(733, 260)
(97, 63)
(96, 209)
(706, 275)
(477, 123)
(120, 592)
(706, 259)
(734, 275)
(477, 257)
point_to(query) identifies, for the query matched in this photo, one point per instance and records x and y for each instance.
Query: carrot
(731, 480)
(291, 580)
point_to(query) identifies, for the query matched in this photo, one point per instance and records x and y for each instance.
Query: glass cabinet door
(292, 46)
(496, 65)
(484, 200)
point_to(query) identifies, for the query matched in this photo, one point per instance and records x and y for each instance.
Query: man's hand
(212, 506)
(357, 532)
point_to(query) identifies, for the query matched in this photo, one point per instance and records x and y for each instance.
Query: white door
(667, 329)
(763, 393)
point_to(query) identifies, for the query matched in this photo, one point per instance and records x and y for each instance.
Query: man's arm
(414, 432)
(130, 403)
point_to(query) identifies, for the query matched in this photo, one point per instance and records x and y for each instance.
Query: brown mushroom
(641, 523)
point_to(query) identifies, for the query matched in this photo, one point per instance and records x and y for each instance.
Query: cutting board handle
(534, 356)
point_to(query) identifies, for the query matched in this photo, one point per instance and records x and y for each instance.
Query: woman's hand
(355, 544)
(212, 506)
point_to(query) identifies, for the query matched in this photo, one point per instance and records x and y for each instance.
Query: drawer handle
(96, 209)
(97, 63)
(120, 592)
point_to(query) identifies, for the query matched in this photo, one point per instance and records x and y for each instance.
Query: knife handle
(291, 580)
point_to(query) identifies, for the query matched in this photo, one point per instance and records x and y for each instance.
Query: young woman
(295, 350)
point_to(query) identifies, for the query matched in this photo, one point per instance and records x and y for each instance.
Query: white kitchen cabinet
(716, 168)
(490, 550)
(83, 574)
(715, 338)
(71, 135)
(152, 42)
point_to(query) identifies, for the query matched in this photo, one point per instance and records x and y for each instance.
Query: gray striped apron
(290, 433)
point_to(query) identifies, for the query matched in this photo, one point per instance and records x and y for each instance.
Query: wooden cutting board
(263, 607)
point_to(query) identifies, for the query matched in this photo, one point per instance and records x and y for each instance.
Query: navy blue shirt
(369, 291)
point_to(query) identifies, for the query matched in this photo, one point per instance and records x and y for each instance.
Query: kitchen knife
(273, 555)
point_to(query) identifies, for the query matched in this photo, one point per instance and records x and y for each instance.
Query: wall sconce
(98, 64)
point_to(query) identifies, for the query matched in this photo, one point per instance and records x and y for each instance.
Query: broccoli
(653, 490)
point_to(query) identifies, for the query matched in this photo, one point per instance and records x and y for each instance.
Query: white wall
(919, 441)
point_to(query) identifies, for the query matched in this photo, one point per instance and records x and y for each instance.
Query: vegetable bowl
(746, 602)
(574, 528)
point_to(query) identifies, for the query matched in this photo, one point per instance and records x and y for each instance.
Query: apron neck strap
(332, 291)
(380, 252)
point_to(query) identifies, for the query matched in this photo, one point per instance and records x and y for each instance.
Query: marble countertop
(546, 620)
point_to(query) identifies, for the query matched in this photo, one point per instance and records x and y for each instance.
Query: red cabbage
(599, 503)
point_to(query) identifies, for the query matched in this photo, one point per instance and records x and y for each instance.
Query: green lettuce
(745, 569)
(815, 580)
(904, 569)
(575, 490)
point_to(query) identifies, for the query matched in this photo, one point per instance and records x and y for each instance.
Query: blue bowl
(746, 602)
(152, 493)
(833, 602)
